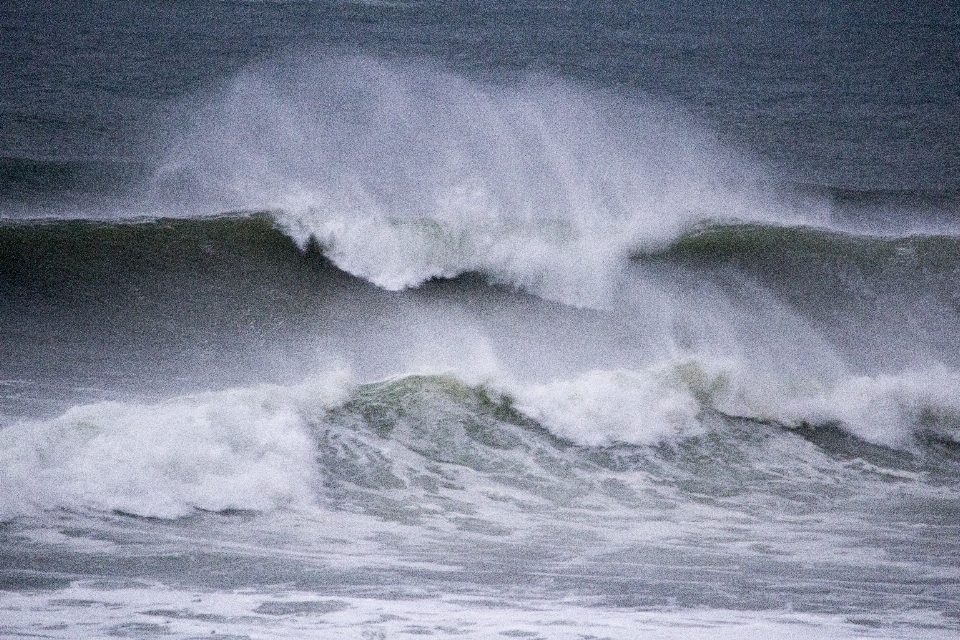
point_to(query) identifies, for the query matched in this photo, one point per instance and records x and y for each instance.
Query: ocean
(560, 320)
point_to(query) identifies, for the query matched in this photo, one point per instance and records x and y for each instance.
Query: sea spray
(406, 173)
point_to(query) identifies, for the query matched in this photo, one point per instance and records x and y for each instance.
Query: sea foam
(666, 401)
(261, 448)
(605, 407)
(234, 449)
(889, 409)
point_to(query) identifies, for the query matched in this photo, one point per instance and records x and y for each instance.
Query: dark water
(853, 95)
(526, 319)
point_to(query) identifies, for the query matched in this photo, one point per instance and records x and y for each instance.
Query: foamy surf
(236, 449)
(125, 610)
(271, 447)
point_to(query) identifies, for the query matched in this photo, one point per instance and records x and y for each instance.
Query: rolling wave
(418, 447)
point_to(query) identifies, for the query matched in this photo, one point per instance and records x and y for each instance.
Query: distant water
(555, 320)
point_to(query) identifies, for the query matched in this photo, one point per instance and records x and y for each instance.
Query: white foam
(154, 610)
(235, 449)
(664, 400)
(252, 448)
(886, 409)
(604, 407)
(405, 173)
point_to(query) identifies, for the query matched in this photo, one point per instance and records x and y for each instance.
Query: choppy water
(361, 320)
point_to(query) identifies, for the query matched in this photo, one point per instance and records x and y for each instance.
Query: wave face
(875, 295)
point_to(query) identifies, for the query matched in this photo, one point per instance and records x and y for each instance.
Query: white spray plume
(406, 173)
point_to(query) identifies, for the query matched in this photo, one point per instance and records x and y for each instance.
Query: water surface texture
(567, 320)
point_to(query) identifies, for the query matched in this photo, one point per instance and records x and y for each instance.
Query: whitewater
(356, 341)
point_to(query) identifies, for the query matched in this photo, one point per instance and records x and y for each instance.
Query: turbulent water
(367, 320)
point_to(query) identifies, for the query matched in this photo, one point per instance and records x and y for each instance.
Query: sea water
(558, 320)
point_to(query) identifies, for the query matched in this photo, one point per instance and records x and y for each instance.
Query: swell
(77, 258)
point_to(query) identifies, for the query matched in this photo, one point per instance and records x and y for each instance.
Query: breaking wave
(382, 447)
(405, 173)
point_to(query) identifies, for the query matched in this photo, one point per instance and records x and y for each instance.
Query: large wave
(697, 303)
(405, 172)
(789, 325)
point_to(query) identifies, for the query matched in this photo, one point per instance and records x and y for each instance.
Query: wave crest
(410, 173)
(318, 443)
